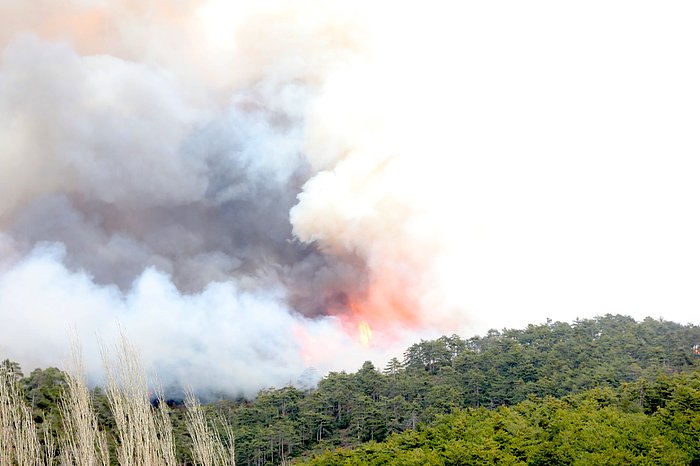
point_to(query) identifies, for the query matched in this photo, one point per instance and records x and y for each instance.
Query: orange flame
(365, 333)
(380, 312)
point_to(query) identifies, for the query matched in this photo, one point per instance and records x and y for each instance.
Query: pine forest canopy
(630, 364)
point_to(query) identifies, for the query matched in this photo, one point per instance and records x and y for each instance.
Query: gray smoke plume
(123, 173)
(131, 192)
(255, 188)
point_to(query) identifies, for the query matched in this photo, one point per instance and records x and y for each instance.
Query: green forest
(608, 390)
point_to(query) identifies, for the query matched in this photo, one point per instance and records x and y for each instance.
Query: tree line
(639, 423)
(495, 373)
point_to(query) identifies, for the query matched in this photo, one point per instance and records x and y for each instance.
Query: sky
(255, 189)
(581, 199)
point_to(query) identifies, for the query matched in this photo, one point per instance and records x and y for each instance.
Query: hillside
(471, 379)
(437, 377)
(640, 423)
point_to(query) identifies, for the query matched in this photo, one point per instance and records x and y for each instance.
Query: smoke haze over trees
(165, 178)
(256, 189)
(638, 380)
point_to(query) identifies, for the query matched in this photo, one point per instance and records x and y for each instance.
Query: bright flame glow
(365, 333)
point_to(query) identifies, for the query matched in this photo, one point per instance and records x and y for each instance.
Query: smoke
(255, 189)
(186, 339)
(198, 173)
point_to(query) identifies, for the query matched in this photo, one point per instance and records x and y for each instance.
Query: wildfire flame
(383, 305)
(365, 333)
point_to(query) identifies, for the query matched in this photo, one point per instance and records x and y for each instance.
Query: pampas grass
(208, 450)
(144, 434)
(82, 444)
(19, 443)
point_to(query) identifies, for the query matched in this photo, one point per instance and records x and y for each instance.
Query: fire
(376, 315)
(365, 333)
(384, 304)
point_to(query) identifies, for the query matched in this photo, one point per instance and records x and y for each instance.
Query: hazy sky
(580, 160)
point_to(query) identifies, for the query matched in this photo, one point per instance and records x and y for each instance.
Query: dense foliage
(437, 377)
(600, 426)
(511, 378)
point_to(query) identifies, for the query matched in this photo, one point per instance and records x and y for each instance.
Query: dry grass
(49, 446)
(127, 391)
(208, 449)
(83, 444)
(144, 435)
(19, 443)
(164, 429)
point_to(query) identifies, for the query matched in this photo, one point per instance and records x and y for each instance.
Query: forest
(608, 390)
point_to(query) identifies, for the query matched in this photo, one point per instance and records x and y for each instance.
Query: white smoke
(152, 154)
(242, 184)
(220, 340)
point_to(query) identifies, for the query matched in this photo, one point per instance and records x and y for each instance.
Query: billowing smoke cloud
(199, 173)
(252, 189)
